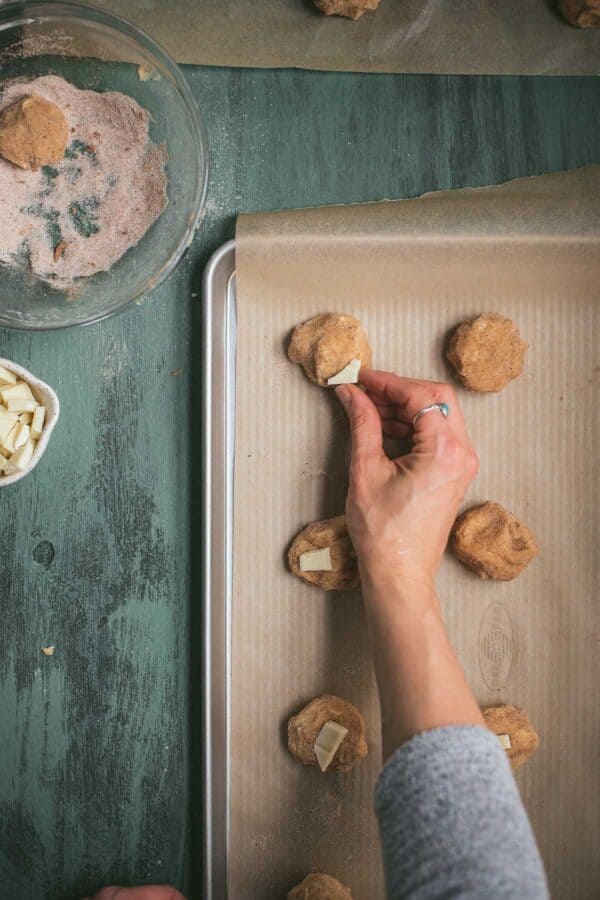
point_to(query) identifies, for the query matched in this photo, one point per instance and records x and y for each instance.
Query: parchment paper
(498, 37)
(411, 271)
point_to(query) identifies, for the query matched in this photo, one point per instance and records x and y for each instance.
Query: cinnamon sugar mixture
(81, 215)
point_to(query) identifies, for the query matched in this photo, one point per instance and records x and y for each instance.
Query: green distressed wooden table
(100, 744)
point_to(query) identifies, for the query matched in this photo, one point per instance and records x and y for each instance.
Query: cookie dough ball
(305, 727)
(582, 13)
(492, 542)
(352, 9)
(320, 887)
(325, 344)
(487, 352)
(513, 722)
(337, 573)
(33, 133)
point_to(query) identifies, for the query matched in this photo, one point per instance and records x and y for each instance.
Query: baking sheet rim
(218, 346)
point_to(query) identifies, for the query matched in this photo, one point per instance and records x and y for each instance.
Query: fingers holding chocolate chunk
(331, 348)
(323, 555)
(492, 542)
(320, 886)
(515, 732)
(328, 733)
(487, 352)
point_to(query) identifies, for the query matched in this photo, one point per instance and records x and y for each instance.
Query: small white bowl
(47, 397)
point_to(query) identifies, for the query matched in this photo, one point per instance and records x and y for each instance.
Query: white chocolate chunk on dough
(505, 741)
(316, 561)
(348, 375)
(328, 743)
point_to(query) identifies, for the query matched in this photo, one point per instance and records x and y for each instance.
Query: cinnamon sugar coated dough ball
(514, 722)
(487, 352)
(325, 344)
(332, 534)
(320, 887)
(352, 9)
(492, 542)
(582, 13)
(305, 727)
(33, 133)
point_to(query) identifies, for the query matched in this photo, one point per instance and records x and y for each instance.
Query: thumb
(365, 424)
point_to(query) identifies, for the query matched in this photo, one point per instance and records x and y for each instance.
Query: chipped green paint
(100, 744)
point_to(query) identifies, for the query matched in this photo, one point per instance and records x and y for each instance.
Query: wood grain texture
(100, 744)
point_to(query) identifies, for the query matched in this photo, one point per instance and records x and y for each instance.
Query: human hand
(149, 892)
(399, 512)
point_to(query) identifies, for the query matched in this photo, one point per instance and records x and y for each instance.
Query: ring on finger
(443, 408)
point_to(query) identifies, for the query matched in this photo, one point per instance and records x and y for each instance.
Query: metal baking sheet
(219, 342)
(532, 643)
(411, 271)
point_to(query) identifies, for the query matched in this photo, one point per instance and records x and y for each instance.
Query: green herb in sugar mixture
(84, 216)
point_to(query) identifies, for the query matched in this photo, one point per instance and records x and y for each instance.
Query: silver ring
(439, 407)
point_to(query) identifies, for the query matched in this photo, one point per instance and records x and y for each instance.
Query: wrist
(401, 589)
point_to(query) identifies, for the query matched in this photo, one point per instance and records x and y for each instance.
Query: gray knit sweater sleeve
(452, 823)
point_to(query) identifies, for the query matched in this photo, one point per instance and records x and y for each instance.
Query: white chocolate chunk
(20, 459)
(26, 418)
(7, 423)
(37, 423)
(348, 375)
(7, 377)
(20, 390)
(316, 561)
(20, 405)
(8, 444)
(328, 743)
(505, 742)
(22, 435)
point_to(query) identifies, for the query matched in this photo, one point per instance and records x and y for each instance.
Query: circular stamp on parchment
(496, 648)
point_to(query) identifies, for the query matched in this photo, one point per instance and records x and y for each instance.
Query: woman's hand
(399, 512)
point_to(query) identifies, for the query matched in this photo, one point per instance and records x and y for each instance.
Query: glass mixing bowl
(100, 51)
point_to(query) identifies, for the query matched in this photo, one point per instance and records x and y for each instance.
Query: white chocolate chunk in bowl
(18, 461)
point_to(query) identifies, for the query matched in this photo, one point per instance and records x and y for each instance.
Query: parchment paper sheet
(412, 270)
(497, 37)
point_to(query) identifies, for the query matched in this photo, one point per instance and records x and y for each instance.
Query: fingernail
(344, 395)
